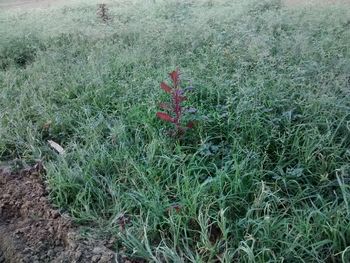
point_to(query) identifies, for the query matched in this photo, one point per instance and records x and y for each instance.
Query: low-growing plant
(20, 52)
(102, 12)
(175, 110)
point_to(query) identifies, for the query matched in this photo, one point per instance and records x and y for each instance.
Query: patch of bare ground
(32, 231)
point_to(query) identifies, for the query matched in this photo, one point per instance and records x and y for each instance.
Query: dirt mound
(32, 231)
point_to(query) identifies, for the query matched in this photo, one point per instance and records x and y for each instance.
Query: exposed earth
(32, 231)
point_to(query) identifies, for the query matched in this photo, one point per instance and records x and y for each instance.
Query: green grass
(265, 175)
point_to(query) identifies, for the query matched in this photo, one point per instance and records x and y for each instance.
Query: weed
(102, 12)
(19, 52)
(176, 108)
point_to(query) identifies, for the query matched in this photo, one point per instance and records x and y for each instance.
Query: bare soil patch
(32, 231)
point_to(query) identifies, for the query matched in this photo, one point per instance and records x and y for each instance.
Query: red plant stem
(177, 107)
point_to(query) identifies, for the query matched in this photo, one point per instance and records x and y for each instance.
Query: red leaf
(175, 76)
(190, 124)
(164, 116)
(165, 87)
(164, 106)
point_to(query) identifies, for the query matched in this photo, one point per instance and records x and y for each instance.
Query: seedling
(102, 12)
(175, 111)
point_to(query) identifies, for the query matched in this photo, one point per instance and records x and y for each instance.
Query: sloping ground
(31, 231)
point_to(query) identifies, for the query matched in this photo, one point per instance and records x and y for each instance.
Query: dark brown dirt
(32, 231)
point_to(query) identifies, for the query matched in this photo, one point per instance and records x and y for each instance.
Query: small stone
(50, 253)
(97, 250)
(27, 250)
(77, 255)
(18, 231)
(55, 214)
(95, 258)
(51, 230)
(106, 258)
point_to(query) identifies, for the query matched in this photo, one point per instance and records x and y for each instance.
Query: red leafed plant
(175, 110)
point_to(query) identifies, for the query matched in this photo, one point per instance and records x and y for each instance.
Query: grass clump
(18, 52)
(264, 177)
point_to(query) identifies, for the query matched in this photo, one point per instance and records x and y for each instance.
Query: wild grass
(265, 175)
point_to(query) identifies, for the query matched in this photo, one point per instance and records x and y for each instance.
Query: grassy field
(264, 177)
